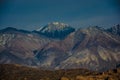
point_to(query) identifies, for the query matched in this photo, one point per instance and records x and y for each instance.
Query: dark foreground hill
(18, 72)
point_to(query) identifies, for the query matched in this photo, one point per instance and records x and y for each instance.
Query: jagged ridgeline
(55, 30)
(59, 46)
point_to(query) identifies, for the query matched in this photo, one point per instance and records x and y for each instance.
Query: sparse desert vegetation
(18, 72)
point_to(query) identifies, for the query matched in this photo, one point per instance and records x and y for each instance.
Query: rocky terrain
(59, 46)
(18, 72)
(55, 30)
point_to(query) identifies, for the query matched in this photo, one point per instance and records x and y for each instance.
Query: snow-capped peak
(58, 24)
(55, 23)
(56, 30)
(39, 29)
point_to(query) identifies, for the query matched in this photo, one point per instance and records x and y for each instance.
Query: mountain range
(59, 46)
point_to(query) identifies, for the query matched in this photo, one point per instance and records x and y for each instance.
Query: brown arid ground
(18, 72)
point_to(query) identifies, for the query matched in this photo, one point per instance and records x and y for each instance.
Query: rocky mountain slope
(55, 30)
(115, 30)
(93, 48)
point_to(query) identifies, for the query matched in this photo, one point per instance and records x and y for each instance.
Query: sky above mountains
(32, 14)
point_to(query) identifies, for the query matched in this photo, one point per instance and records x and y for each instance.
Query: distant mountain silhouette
(13, 30)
